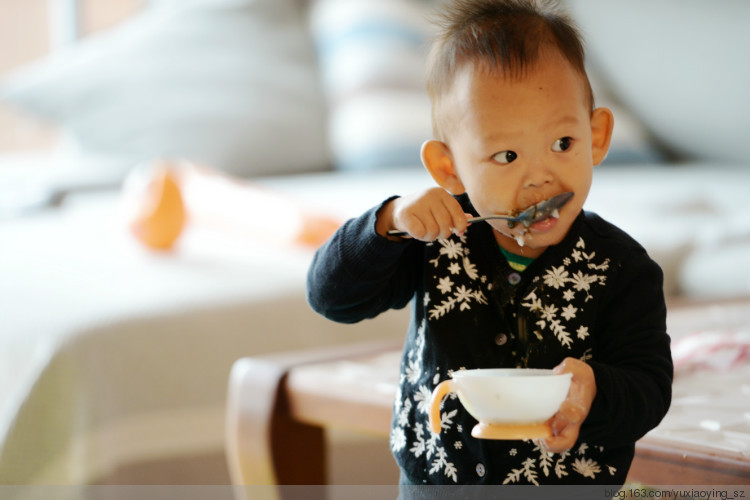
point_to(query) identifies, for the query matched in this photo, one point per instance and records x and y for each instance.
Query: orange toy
(316, 229)
(157, 213)
(160, 197)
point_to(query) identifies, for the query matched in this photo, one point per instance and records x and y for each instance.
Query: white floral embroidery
(413, 371)
(586, 467)
(545, 461)
(441, 462)
(446, 419)
(432, 445)
(464, 297)
(549, 312)
(445, 285)
(587, 355)
(582, 332)
(582, 282)
(451, 248)
(548, 464)
(427, 446)
(470, 269)
(561, 333)
(413, 368)
(543, 303)
(420, 445)
(422, 398)
(443, 308)
(560, 468)
(569, 312)
(556, 277)
(398, 439)
(535, 304)
(464, 294)
(528, 470)
(599, 267)
(403, 415)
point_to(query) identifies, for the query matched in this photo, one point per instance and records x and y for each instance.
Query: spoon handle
(396, 232)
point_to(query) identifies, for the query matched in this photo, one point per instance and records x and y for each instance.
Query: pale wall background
(25, 36)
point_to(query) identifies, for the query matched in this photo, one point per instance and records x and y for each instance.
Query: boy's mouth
(544, 210)
(546, 223)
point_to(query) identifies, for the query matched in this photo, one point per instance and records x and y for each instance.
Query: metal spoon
(534, 213)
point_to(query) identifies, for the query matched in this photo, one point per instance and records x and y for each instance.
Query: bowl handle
(442, 389)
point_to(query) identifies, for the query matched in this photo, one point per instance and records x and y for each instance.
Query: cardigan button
(514, 278)
(501, 339)
(480, 470)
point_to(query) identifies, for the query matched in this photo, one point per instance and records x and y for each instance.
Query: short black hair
(505, 35)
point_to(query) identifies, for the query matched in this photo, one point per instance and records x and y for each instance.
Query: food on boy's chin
(520, 240)
(155, 211)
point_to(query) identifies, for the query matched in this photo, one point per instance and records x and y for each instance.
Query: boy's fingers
(427, 232)
(443, 220)
(460, 220)
(562, 442)
(450, 216)
(413, 226)
(558, 423)
(582, 387)
(564, 435)
(572, 411)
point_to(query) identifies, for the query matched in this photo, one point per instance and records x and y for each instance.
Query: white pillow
(680, 66)
(372, 60)
(717, 271)
(229, 83)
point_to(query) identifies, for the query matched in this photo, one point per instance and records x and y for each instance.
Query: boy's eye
(562, 144)
(505, 156)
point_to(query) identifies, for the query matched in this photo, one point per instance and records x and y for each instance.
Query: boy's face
(513, 142)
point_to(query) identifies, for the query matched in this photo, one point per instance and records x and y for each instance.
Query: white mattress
(111, 354)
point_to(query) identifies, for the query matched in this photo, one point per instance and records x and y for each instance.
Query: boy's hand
(425, 216)
(566, 423)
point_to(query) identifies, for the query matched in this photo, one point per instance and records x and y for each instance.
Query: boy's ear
(602, 123)
(437, 159)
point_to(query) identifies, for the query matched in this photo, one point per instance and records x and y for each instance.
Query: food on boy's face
(520, 240)
(539, 217)
(528, 116)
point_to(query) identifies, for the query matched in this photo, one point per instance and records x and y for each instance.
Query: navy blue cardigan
(595, 296)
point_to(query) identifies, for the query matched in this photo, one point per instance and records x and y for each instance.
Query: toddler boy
(514, 124)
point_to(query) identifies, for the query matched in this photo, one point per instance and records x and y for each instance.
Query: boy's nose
(537, 174)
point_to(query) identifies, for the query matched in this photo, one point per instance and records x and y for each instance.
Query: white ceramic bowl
(511, 395)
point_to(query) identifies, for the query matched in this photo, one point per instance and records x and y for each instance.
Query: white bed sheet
(111, 354)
